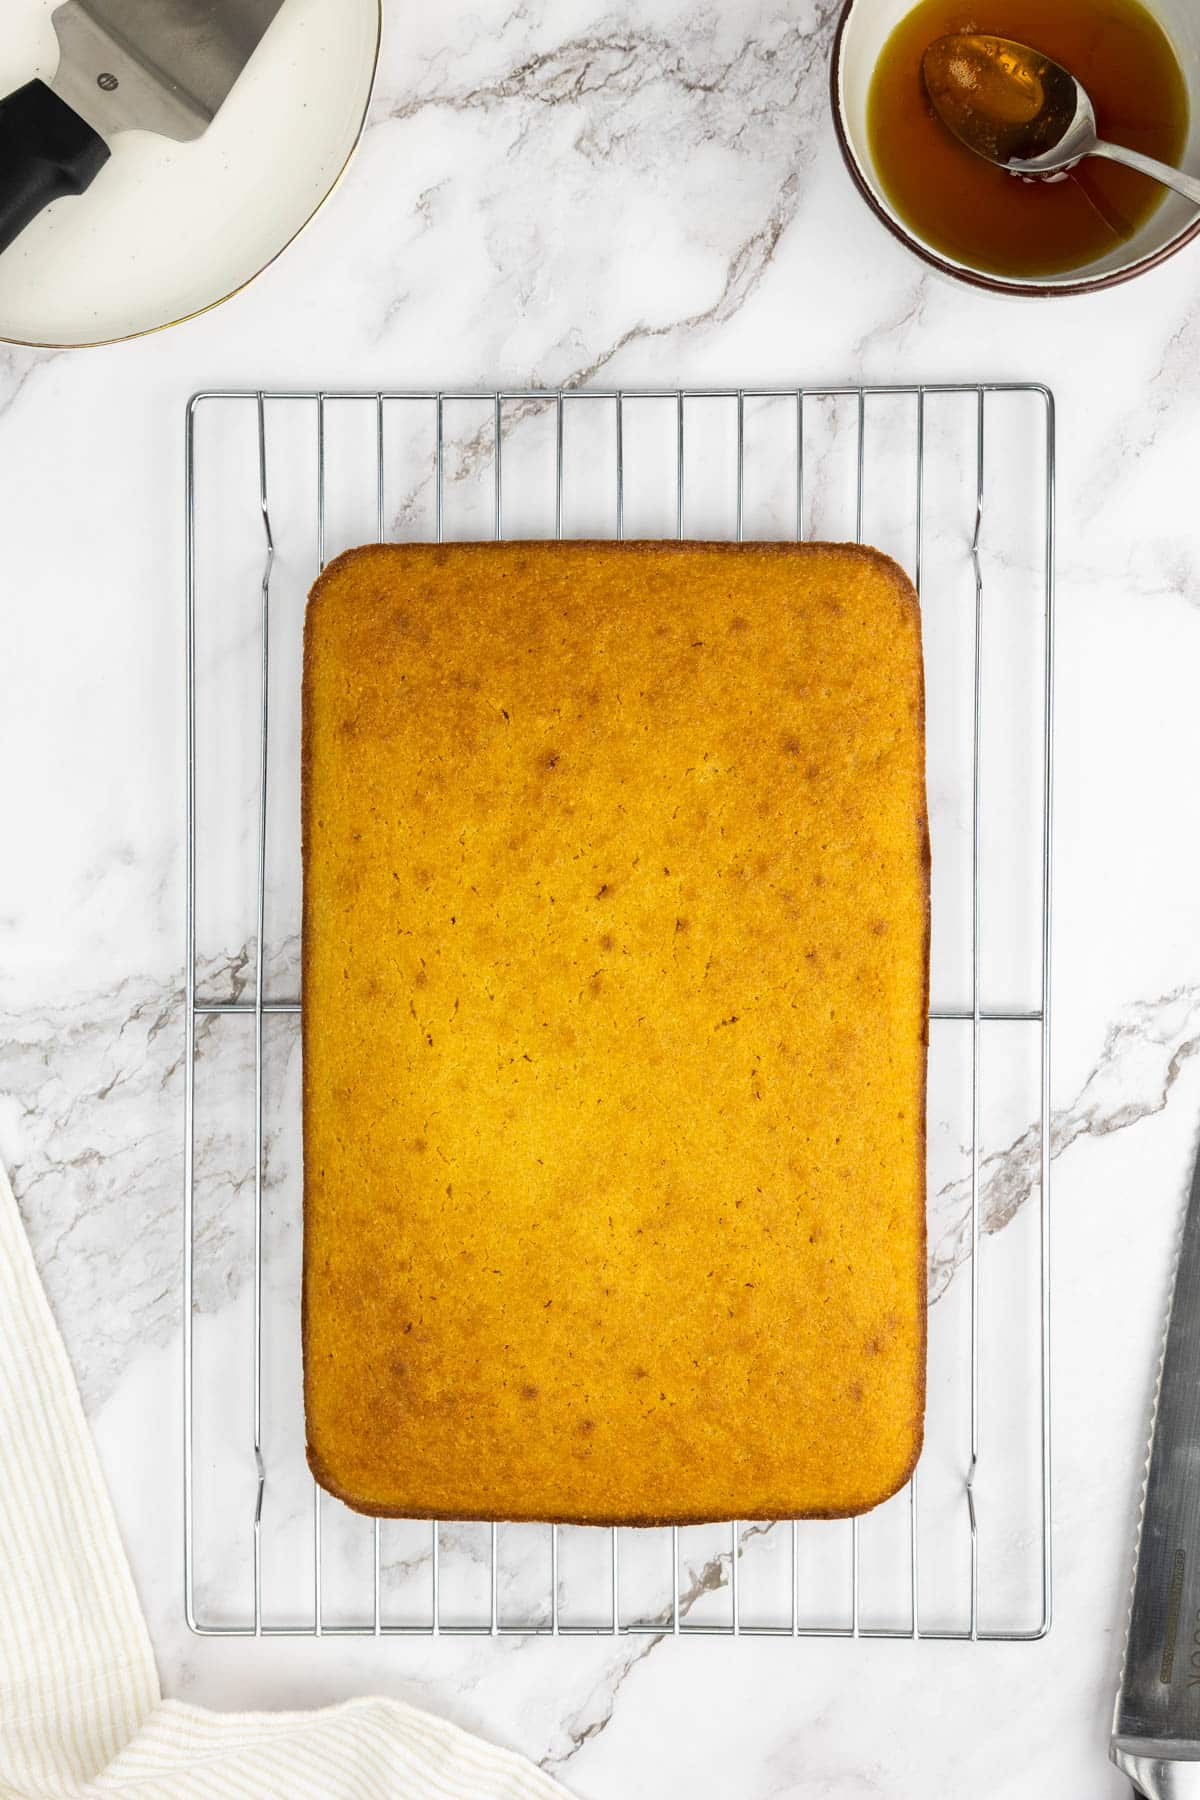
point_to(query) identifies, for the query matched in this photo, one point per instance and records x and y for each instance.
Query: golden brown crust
(383, 1442)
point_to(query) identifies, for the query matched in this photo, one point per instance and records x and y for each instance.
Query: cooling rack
(957, 482)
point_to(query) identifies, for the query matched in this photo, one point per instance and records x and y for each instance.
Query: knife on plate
(1156, 1728)
(124, 65)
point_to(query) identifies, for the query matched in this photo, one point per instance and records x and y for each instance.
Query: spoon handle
(1158, 171)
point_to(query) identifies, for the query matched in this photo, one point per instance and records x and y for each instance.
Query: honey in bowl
(980, 214)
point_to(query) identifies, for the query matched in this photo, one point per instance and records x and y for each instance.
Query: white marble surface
(556, 194)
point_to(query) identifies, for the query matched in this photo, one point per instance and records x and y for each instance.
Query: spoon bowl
(1002, 99)
(1018, 108)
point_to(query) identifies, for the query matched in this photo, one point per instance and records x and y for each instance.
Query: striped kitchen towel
(81, 1714)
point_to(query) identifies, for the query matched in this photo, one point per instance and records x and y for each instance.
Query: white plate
(167, 230)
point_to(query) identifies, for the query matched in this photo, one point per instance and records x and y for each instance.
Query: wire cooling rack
(958, 484)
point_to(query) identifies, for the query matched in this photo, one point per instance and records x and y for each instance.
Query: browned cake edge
(631, 548)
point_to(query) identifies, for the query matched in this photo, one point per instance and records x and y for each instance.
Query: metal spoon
(1016, 107)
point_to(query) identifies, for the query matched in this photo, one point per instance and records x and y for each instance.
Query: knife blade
(124, 65)
(170, 65)
(1156, 1725)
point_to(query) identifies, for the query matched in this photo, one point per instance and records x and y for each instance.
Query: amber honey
(978, 213)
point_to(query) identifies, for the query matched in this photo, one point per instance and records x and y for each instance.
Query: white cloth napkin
(81, 1715)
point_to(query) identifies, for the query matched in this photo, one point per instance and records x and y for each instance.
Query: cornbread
(616, 916)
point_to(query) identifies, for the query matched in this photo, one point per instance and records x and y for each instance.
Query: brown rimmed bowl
(864, 28)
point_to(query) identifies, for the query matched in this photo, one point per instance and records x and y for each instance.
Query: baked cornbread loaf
(616, 915)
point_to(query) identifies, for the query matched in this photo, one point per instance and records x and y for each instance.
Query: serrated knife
(1156, 1728)
(148, 65)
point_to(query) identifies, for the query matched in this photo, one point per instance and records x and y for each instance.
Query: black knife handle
(46, 151)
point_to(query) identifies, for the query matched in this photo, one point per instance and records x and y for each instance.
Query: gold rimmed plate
(168, 230)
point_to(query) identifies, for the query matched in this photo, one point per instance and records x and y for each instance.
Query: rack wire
(895, 448)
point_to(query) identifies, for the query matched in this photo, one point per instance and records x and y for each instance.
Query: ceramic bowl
(864, 28)
(168, 230)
